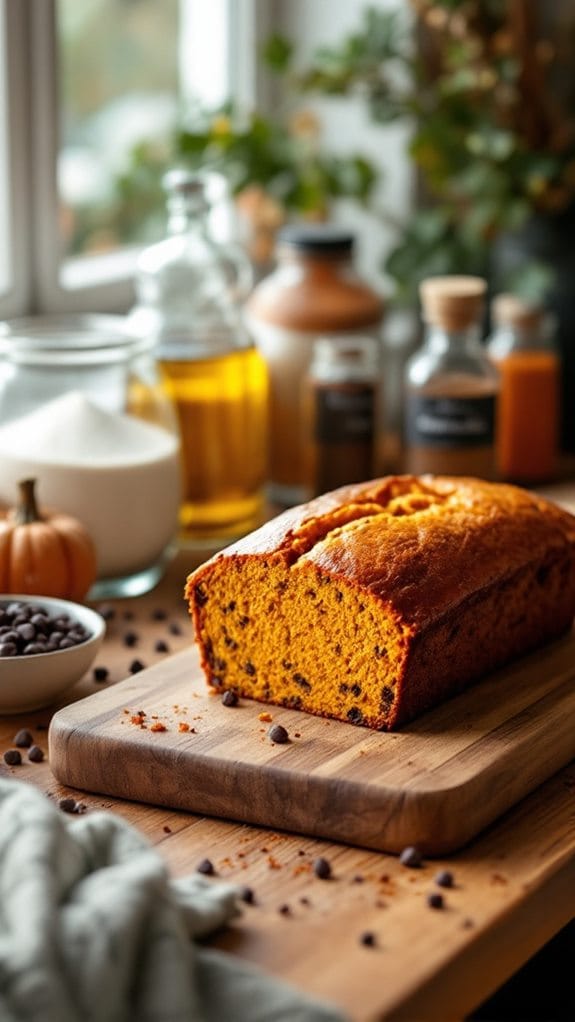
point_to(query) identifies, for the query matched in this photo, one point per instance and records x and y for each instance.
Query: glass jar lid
(69, 340)
(318, 239)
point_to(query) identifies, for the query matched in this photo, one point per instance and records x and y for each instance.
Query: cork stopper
(509, 310)
(453, 303)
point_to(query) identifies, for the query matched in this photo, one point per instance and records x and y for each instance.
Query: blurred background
(439, 131)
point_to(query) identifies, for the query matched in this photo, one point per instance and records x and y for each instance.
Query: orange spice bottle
(521, 347)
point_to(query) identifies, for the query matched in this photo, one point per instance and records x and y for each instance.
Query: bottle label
(345, 413)
(450, 421)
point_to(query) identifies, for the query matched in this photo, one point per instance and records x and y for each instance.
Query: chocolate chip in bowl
(46, 644)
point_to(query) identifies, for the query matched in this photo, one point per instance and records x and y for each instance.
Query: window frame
(102, 282)
(14, 95)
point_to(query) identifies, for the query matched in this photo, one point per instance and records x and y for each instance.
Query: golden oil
(221, 404)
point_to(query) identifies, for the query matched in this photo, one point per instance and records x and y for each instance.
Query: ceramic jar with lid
(313, 291)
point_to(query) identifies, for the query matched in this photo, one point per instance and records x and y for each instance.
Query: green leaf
(532, 281)
(277, 53)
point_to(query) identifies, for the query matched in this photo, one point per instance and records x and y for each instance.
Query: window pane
(118, 88)
(128, 71)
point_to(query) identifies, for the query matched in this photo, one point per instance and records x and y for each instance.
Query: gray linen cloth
(92, 929)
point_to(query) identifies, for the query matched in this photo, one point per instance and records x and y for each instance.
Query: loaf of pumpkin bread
(376, 602)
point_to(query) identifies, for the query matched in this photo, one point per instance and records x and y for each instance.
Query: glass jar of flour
(82, 411)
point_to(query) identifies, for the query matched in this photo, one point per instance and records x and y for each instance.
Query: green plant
(282, 155)
(489, 98)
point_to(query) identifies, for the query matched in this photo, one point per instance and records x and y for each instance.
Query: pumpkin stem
(27, 510)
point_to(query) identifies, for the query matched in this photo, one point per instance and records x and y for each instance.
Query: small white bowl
(31, 682)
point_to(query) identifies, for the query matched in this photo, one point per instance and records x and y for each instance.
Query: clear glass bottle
(187, 287)
(523, 349)
(451, 386)
(342, 412)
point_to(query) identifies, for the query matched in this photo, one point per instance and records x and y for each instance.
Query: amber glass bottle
(451, 386)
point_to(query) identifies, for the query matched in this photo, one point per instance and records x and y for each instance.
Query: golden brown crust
(422, 551)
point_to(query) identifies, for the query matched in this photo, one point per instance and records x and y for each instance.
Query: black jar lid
(317, 238)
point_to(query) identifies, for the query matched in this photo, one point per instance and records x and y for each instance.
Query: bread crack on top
(375, 602)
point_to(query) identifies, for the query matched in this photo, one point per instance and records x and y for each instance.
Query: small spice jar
(342, 412)
(522, 347)
(314, 291)
(451, 387)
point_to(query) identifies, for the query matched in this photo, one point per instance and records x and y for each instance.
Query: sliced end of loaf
(297, 637)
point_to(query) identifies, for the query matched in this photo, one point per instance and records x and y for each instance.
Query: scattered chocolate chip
(247, 895)
(159, 614)
(130, 639)
(358, 879)
(35, 754)
(368, 939)
(355, 716)
(67, 805)
(128, 615)
(230, 698)
(278, 734)
(444, 878)
(136, 666)
(107, 611)
(175, 628)
(166, 829)
(435, 899)
(200, 595)
(12, 757)
(206, 867)
(249, 668)
(322, 869)
(305, 901)
(284, 910)
(23, 739)
(101, 673)
(161, 646)
(411, 857)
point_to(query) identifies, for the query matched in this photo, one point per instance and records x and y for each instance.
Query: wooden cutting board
(436, 783)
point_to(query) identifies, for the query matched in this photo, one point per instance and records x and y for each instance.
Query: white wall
(347, 127)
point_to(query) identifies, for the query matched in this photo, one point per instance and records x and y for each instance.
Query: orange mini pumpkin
(45, 553)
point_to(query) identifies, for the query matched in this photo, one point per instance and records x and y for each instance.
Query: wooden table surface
(514, 885)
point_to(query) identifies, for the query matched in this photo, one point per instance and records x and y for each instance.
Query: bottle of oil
(208, 366)
(451, 385)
